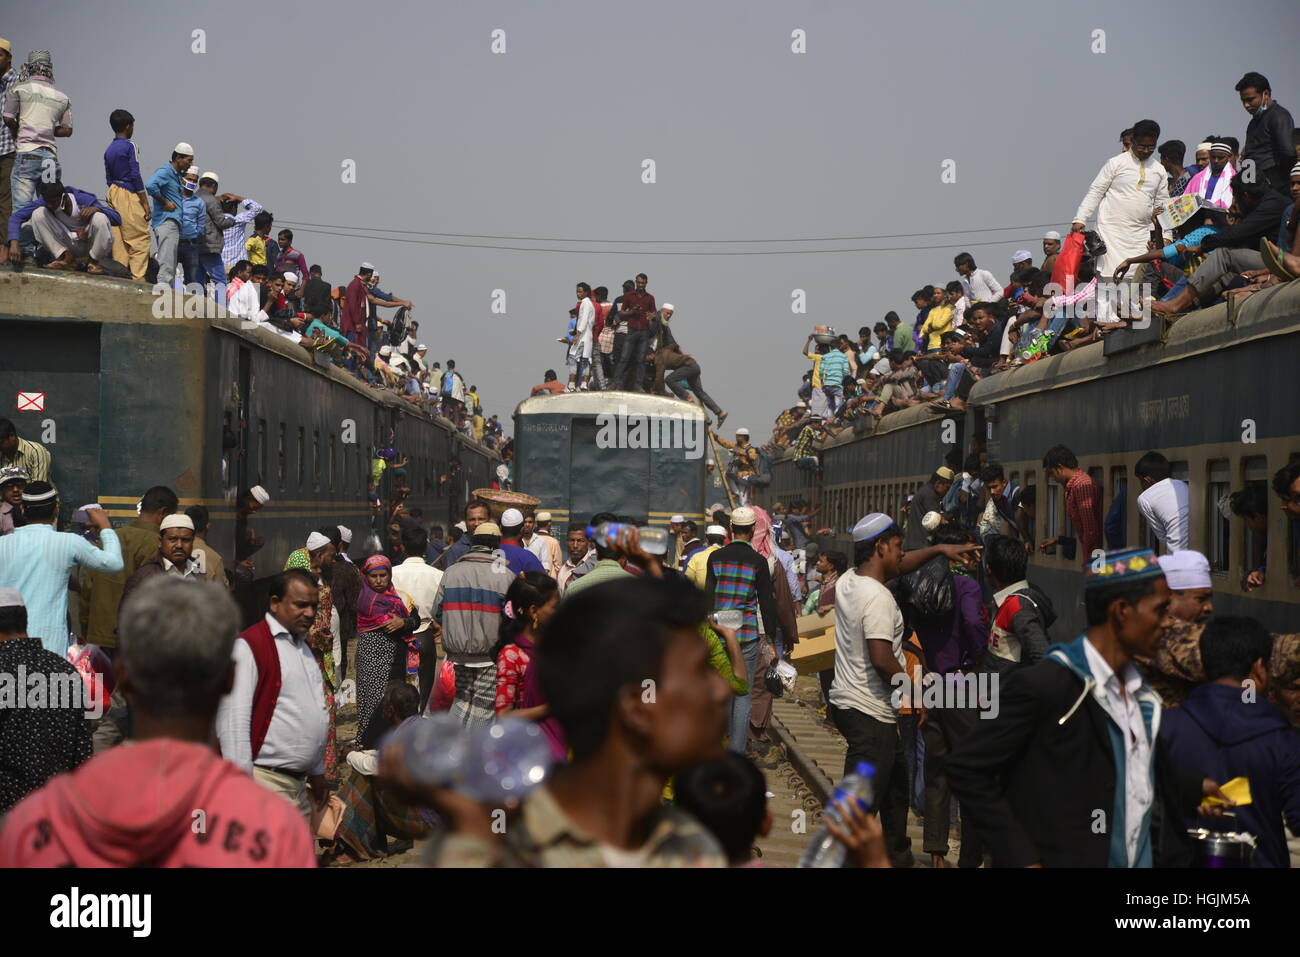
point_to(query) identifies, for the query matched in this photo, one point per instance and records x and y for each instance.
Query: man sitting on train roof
(70, 224)
(551, 385)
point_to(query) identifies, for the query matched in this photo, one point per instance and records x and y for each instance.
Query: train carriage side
(638, 456)
(1207, 398)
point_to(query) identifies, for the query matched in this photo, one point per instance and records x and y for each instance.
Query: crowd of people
(176, 231)
(649, 674)
(1236, 237)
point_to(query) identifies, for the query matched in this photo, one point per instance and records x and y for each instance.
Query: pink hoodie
(155, 803)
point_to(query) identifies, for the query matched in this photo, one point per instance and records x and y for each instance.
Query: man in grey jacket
(214, 227)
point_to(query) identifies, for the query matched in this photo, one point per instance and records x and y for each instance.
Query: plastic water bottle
(825, 850)
(434, 748)
(653, 540)
(490, 763)
(506, 760)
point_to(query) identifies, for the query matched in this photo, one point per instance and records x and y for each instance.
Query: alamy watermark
(39, 690)
(934, 691)
(637, 430)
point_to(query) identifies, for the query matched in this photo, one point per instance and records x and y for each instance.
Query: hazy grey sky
(750, 141)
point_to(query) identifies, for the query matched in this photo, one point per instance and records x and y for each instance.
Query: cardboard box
(814, 652)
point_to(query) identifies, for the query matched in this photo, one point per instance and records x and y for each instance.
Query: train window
(1218, 541)
(315, 461)
(279, 459)
(1055, 508)
(302, 454)
(1029, 505)
(261, 451)
(1254, 540)
(1116, 528)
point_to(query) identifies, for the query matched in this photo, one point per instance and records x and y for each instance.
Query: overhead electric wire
(682, 242)
(645, 252)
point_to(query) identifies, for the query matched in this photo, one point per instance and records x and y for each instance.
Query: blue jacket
(194, 217)
(82, 198)
(1223, 737)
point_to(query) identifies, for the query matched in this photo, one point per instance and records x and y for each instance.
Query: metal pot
(1222, 849)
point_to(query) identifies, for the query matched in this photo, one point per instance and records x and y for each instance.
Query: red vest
(267, 690)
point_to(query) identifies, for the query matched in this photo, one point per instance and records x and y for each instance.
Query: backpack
(929, 589)
(397, 329)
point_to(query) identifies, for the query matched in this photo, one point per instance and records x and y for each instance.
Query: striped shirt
(6, 137)
(32, 458)
(37, 560)
(604, 570)
(738, 578)
(232, 249)
(40, 109)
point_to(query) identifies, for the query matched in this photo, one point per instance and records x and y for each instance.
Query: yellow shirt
(817, 368)
(936, 324)
(256, 248)
(697, 569)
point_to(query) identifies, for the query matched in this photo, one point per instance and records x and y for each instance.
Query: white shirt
(1166, 506)
(864, 611)
(1122, 706)
(1124, 196)
(295, 740)
(981, 286)
(419, 580)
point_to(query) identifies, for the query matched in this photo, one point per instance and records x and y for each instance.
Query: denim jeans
(741, 705)
(834, 398)
(914, 758)
(29, 168)
(954, 379)
(191, 254)
(630, 374)
(216, 271)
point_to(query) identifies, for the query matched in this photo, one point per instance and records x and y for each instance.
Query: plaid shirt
(232, 249)
(1083, 505)
(7, 145)
(738, 577)
(803, 446)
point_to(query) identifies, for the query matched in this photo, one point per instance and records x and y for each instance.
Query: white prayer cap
(743, 431)
(1203, 147)
(715, 530)
(871, 526)
(677, 519)
(291, 277)
(543, 517)
(1185, 569)
(316, 540)
(11, 598)
(1052, 234)
(260, 495)
(1020, 255)
(421, 348)
(176, 520)
(210, 174)
(670, 307)
(931, 521)
(345, 533)
(743, 516)
(462, 526)
(386, 351)
(367, 266)
(184, 149)
(511, 517)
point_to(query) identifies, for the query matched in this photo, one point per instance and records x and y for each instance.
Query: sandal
(61, 264)
(1273, 260)
(95, 269)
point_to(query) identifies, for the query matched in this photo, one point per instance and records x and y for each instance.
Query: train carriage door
(606, 479)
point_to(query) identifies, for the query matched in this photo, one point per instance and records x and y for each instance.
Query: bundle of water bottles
(654, 540)
(491, 763)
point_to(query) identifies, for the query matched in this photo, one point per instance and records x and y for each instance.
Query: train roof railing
(34, 293)
(611, 402)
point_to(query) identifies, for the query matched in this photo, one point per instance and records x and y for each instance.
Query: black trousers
(630, 373)
(878, 743)
(428, 666)
(944, 727)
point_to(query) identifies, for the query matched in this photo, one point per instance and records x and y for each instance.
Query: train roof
(594, 403)
(34, 293)
(1270, 312)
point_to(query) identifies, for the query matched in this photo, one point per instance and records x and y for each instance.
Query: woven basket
(498, 501)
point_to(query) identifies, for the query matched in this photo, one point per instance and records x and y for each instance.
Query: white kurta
(580, 348)
(1124, 196)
